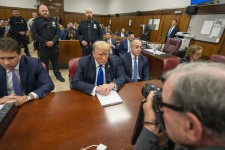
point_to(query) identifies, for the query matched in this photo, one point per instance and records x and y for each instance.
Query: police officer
(88, 32)
(46, 32)
(18, 31)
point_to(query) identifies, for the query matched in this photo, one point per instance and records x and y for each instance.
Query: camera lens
(149, 87)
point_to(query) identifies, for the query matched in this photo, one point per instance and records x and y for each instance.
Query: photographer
(193, 108)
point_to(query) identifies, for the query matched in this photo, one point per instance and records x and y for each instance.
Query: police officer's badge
(53, 24)
(95, 26)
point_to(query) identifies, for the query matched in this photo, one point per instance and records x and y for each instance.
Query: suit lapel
(92, 68)
(129, 61)
(3, 85)
(139, 65)
(108, 72)
(23, 73)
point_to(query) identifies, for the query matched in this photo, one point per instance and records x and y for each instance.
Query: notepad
(112, 99)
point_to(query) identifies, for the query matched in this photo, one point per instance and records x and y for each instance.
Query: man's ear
(193, 127)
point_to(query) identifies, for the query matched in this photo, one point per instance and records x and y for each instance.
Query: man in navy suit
(172, 30)
(96, 67)
(128, 62)
(124, 46)
(112, 42)
(22, 78)
(122, 33)
(145, 32)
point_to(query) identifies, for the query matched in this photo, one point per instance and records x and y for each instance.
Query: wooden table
(155, 63)
(71, 120)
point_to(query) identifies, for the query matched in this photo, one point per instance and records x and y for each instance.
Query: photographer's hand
(149, 115)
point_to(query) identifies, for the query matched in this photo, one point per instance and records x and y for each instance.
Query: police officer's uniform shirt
(18, 24)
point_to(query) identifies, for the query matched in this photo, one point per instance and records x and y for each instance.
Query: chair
(172, 45)
(72, 67)
(170, 63)
(217, 58)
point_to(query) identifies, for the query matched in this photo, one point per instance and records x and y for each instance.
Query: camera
(157, 95)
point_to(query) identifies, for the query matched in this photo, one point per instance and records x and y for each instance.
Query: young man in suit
(135, 65)
(99, 72)
(22, 78)
(172, 30)
(112, 42)
(124, 46)
(145, 33)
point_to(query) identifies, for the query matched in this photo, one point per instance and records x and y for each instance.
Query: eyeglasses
(170, 106)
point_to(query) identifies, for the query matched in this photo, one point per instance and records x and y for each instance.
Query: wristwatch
(30, 97)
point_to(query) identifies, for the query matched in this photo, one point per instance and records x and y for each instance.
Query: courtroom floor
(59, 86)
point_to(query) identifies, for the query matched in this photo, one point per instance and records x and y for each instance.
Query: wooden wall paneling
(146, 21)
(125, 23)
(77, 18)
(2, 14)
(116, 26)
(137, 23)
(120, 23)
(184, 22)
(101, 19)
(166, 25)
(155, 34)
(83, 17)
(8, 12)
(222, 48)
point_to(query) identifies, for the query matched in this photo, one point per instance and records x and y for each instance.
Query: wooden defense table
(72, 120)
(155, 63)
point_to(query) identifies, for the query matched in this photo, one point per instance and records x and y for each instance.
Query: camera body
(157, 95)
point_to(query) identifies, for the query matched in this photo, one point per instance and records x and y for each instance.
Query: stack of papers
(154, 52)
(112, 99)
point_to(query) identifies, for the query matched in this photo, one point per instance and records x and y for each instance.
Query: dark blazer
(119, 34)
(172, 34)
(146, 34)
(33, 76)
(84, 79)
(123, 47)
(143, 67)
(113, 43)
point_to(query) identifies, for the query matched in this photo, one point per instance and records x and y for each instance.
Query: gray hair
(200, 89)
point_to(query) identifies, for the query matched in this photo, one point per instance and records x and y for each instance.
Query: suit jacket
(146, 34)
(113, 42)
(172, 34)
(84, 79)
(143, 68)
(119, 34)
(123, 47)
(33, 76)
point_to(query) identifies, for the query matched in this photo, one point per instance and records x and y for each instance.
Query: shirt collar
(97, 64)
(132, 56)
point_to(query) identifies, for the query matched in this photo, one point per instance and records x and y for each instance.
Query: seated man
(122, 33)
(135, 65)
(99, 72)
(22, 78)
(112, 42)
(193, 108)
(124, 46)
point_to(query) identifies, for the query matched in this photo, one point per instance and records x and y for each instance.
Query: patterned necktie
(100, 77)
(135, 69)
(16, 86)
(168, 35)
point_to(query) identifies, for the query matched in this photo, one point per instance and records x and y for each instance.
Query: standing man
(172, 30)
(88, 32)
(135, 65)
(145, 33)
(22, 78)
(29, 24)
(19, 29)
(112, 42)
(98, 73)
(46, 32)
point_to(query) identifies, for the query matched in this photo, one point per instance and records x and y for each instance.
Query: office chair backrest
(172, 45)
(170, 63)
(72, 67)
(217, 58)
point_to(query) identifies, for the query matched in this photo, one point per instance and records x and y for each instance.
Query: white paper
(112, 99)
(207, 26)
(156, 52)
(1, 106)
(219, 23)
(130, 22)
(215, 31)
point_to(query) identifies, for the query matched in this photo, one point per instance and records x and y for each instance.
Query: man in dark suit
(145, 33)
(22, 78)
(112, 42)
(135, 65)
(122, 33)
(99, 72)
(172, 30)
(124, 46)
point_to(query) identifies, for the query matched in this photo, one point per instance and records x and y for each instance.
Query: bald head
(135, 46)
(88, 13)
(43, 11)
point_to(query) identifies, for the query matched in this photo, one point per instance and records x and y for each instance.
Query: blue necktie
(100, 77)
(135, 69)
(16, 86)
(169, 31)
